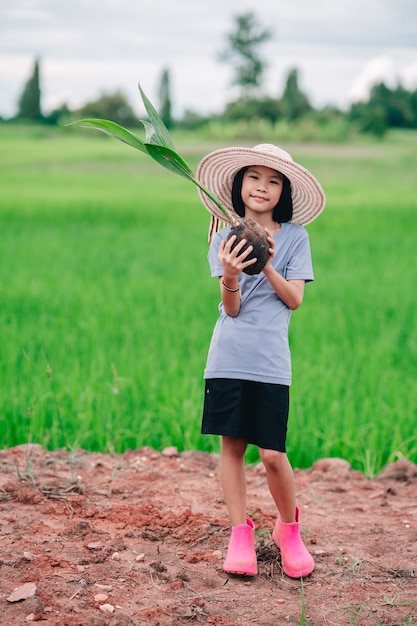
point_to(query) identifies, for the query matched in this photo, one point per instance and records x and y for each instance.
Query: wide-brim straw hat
(217, 170)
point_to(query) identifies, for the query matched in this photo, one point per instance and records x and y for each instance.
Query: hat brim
(217, 170)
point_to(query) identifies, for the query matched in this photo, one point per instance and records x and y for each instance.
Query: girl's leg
(241, 555)
(280, 482)
(233, 479)
(296, 560)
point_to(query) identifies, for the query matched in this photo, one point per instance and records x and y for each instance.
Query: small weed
(27, 471)
(303, 621)
(352, 563)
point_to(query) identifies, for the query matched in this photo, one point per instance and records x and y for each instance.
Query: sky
(89, 48)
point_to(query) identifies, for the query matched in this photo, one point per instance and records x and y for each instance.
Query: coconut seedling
(160, 147)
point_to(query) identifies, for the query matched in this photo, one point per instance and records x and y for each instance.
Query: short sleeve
(216, 267)
(299, 265)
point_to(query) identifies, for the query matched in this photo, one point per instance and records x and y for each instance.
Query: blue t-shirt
(254, 344)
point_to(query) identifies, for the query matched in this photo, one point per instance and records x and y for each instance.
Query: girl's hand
(272, 247)
(233, 261)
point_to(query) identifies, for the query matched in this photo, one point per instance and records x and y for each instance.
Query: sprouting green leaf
(113, 129)
(160, 135)
(159, 146)
(150, 132)
(169, 159)
(172, 161)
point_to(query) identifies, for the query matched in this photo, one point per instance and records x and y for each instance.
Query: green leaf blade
(114, 130)
(158, 132)
(159, 146)
(169, 159)
(174, 163)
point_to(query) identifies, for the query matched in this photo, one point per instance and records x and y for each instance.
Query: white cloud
(378, 70)
(87, 48)
(409, 76)
(385, 70)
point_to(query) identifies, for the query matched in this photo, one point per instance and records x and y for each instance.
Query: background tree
(386, 108)
(113, 107)
(397, 104)
(294, 102)
(165, 108)
(61, 114)
(266, 108)
(243, 49)
(30, 100)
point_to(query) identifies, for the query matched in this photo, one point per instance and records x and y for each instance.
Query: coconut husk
(255, 236)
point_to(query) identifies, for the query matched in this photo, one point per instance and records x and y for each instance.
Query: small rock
(116, 556)
(100, 597)
(95, 545)
(332, 468)
(107, 608)
(170, 451)
(28, 556)
(22, 593)
(176, 585)
(140, 557)
(217, 553)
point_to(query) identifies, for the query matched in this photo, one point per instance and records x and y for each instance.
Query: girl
(248, 370)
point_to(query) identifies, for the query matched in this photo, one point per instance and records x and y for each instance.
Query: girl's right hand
(233, 261)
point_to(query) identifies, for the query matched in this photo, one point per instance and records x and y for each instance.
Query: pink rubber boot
(241, 555)
(296, 560)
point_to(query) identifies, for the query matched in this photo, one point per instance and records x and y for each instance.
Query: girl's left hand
(272, 246)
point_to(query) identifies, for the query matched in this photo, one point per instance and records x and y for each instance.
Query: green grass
(107, 305)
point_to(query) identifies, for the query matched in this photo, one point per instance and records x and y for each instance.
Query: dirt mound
(139, 538)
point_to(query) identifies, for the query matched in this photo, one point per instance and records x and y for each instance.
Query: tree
(386, 108)
(165, 99)
(243, 45)
(397, 103)
(30, 100)
(266, 108)
(295, 103)
(113, 107)
(61, 113)
(369, 118)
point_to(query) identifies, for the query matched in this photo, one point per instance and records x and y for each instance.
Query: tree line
(385, 108)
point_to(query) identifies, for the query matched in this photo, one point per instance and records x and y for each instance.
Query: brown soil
(139, 538)
(255, 236)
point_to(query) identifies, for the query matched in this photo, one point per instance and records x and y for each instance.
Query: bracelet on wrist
(228, 288)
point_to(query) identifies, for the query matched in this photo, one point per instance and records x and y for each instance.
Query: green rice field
(107, 305)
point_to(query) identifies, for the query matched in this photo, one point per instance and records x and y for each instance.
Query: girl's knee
(272, 459)
(233, 446)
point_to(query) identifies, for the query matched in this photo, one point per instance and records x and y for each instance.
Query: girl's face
(261, 189)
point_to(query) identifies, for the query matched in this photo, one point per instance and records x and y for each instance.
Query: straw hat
(218, 169)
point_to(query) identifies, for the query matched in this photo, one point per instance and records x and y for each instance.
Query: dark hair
(282, 211)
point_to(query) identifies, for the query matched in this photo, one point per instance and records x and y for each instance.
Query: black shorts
(257, 412)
